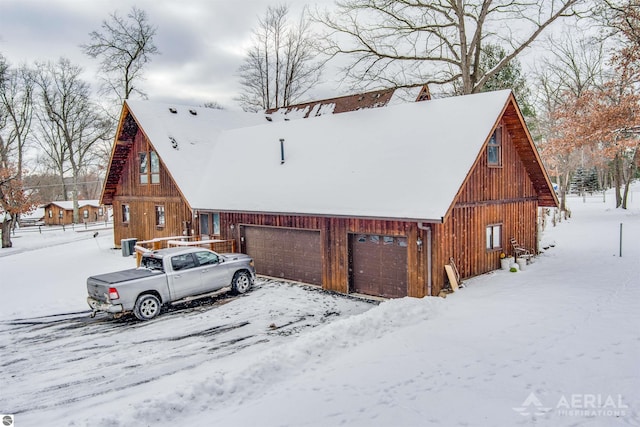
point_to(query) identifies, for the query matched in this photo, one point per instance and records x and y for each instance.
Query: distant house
(61, 212)
(373, 201)
(35, 217)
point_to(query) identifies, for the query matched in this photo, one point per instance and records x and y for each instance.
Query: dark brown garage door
(288, 253)
(378, 265)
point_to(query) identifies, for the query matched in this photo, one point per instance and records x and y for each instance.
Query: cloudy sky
(202, 41)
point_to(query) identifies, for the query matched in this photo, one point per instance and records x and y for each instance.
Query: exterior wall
(492, 195)
(334, 235)
(143, 199)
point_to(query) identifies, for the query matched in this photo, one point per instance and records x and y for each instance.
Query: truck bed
(124, 275)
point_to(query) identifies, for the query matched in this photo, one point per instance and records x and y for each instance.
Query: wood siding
(502, 195)
(334, 240)
(67, 215)
(143, 199)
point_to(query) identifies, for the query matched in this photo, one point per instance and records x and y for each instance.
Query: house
(343, 104)
(61, 212)
(375, 201)
(35, 217)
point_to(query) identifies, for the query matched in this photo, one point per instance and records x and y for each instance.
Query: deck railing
(216, 245)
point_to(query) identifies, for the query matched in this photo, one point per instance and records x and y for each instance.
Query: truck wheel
(147, 307)
(241, 282)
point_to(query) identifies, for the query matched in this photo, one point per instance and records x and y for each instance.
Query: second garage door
(288, 253)
(378, 265)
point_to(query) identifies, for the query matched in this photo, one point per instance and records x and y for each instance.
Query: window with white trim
(494, 236)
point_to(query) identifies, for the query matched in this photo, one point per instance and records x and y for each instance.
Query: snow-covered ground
(557, 344)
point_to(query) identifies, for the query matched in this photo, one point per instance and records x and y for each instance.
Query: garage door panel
(378, 265)
(285, 252)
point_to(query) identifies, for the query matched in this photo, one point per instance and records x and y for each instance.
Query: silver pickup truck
(169, 276)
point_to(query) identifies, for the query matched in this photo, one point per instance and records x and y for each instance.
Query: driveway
(64, 360)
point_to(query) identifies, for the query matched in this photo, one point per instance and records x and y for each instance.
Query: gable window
(160, 216)
(494, 148)
(149, 168)
(494, 236)
(125, 213)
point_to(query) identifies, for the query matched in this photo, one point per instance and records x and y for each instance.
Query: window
(85, 214)
(182, 262)
(155, 167)
(494, 236)
(160, 216)
(149, 168)
(204, 224)
(216, 224)
(144, 168)
(206, 258)
(100, 212)
(494, 148)
(50, 213)
(60, 213)
(125, 213)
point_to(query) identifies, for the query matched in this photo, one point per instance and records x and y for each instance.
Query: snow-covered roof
(68, 204)
(406, 161)
(184, 139)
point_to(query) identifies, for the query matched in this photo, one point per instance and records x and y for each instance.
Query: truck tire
(147, 307)
(241, 282)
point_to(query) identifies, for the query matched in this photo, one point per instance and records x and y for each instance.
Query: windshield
(151, 263)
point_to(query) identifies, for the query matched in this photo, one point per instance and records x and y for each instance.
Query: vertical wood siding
(143, 199)
(334, 238)
(492, 195)
(67, 215)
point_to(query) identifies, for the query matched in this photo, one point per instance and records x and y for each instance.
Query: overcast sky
(202, 42)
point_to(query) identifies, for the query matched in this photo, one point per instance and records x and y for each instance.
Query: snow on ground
(556, 344)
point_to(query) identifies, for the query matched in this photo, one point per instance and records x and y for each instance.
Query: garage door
(288, 253)
(378, 265)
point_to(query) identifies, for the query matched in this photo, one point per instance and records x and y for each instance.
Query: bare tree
(16, 96)
(575, 66)
(70, 121)
(124, 46)
(280, 66)
(407, 43)
(16, 108)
